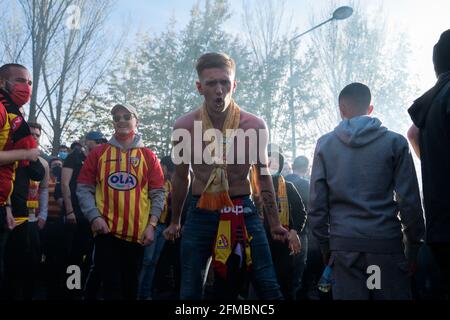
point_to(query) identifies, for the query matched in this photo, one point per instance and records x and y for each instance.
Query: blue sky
(423, 20)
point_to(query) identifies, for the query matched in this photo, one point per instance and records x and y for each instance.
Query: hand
(326, 257)
(71, 218)
(10, 221)
(99, 226)
(32, 154)
(279, 233)
(294, 242)
(41, 223)
(148, 236)
(172, 232)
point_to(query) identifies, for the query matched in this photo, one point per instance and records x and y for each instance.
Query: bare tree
(44, 19)
(69, 49)
(75, 65)
(266, 25)
(361, 50)
(14, 37)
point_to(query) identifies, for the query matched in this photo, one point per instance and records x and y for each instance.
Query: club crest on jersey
(135, 161)
(222, 242)
(15, 123)
(122, 181)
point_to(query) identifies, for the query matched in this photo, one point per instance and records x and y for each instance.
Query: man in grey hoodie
(115, 186)
(365, 204)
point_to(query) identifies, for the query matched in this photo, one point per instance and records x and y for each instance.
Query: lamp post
(340, 13)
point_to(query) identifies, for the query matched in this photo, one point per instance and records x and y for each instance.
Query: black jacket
(431, 114)
(35, 171)
(297, 212)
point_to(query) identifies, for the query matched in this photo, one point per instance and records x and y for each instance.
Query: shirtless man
(207, 231)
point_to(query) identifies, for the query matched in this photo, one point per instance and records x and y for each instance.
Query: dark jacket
(297, 212)
(431, 114)
(302, 186)
(34, 171)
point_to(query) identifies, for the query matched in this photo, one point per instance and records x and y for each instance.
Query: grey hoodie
(364, 190)
(86, 192)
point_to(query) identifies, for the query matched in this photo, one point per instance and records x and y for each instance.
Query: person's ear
(198, 84)
(342, 111)
(370, 110)
(2, 83)
(234, 85)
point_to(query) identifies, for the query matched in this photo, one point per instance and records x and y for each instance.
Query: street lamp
(340, 13)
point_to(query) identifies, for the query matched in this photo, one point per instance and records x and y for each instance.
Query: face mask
(63, 155)
(56, 171)
(126, 137)
(20, 93)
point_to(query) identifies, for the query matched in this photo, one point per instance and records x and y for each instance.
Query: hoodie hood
(359, 131)
(137, 142)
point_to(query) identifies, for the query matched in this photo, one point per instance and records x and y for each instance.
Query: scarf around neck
(215, 194)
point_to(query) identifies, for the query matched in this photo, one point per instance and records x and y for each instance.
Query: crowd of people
(211, 221)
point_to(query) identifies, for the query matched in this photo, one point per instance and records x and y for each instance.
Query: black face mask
(56, 171)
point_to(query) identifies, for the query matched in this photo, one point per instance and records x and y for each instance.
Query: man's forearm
(157, 197)
(67, 197)
(43, 203)
(413, 137)
(86, 197)
(178, 198)
(268, 198)
(11, 156)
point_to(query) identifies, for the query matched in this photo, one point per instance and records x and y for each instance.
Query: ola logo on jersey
(122, 181)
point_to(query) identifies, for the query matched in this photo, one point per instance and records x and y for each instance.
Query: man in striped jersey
(116, 185)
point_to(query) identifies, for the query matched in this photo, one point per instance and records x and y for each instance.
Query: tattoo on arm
(269, 200)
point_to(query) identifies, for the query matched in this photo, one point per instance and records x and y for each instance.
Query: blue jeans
(299, 266)
(151, 256)
(197, 241)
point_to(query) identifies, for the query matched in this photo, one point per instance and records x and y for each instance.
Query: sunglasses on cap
(126, 117)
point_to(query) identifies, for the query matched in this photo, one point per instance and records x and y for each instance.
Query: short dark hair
(53, 160)
(358, 95)
(215, 60)
(301, 163)
(4, 69)
(167, 161)
(75, 144)
(280, 159)
(441, 53)
(35, 125)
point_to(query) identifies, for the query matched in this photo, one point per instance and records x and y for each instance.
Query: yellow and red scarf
(32, 203)
(282, 202)
(281, 198)
(232, 237)
(215, 194)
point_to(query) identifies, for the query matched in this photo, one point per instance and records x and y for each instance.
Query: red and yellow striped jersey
(122, 181)
(14, 134)
(53, 208)
(6, 143)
